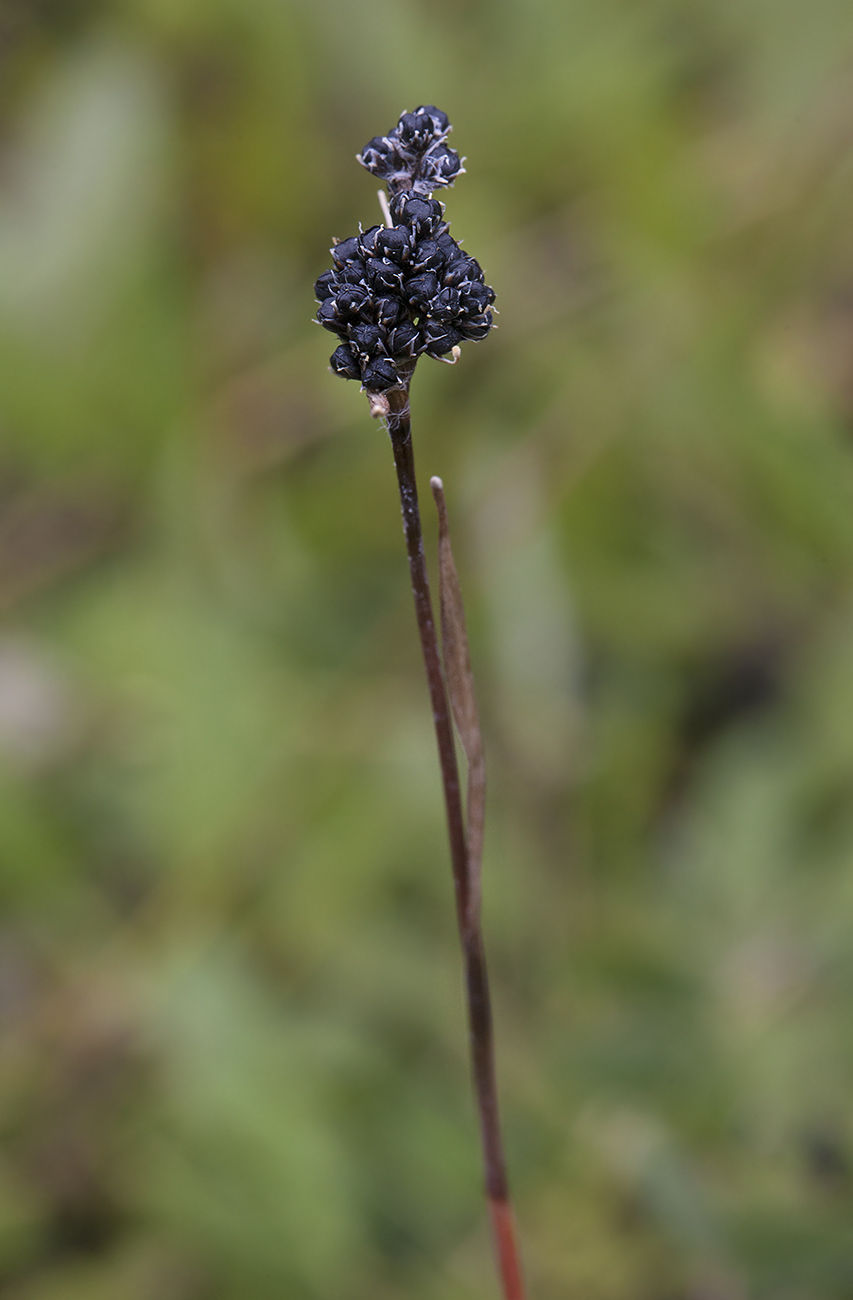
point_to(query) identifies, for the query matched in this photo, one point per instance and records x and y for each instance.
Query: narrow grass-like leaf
(460, 686)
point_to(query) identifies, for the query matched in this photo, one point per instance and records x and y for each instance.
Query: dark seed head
(399, 291)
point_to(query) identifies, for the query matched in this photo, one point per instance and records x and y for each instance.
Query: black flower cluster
(399, 291)
(415, 155)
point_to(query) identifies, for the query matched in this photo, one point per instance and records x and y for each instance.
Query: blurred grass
(233, 1056)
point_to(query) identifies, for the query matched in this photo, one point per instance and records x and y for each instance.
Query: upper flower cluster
(398, 291)
(414, 156)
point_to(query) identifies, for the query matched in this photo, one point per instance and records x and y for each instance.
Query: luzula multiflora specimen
(396, 292)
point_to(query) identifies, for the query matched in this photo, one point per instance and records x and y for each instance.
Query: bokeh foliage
(233, 1057)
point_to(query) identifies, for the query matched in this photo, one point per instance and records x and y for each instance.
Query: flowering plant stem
(465, 870)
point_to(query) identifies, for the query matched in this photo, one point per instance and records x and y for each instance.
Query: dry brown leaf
(460, 686)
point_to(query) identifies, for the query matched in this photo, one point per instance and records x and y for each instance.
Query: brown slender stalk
(476, 977)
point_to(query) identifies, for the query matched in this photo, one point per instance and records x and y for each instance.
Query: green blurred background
(233, 1057)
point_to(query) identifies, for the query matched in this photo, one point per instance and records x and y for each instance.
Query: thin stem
(476, 977)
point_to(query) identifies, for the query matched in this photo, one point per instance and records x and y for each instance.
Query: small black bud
(382, 158)
(428, 256)
(395, 244)
(440, 121)
(461, 269)
(404, 340)
(420, 289)
(440, 338)
(415, 132)
(446, 305)
(475, 297)
(349, 300)
(345, 363)
(389, 310)
(379, 146)
(327, 315)
(380, 375)
(355, 272)
(476, 329)
(421, 215)
(443, 165)
(345, 251)
(325, 285)
(367, 241)
(366, 339)
(384, 276)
